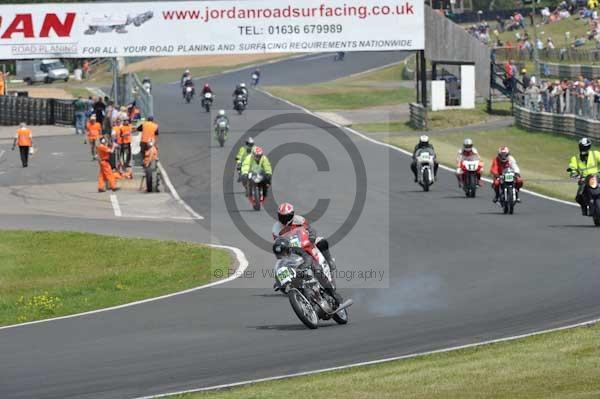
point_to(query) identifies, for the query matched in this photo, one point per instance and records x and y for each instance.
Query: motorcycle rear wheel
(303, 309)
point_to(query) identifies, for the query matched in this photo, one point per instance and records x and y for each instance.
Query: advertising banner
(82, 30)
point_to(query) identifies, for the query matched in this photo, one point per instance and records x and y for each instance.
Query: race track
(457, 270)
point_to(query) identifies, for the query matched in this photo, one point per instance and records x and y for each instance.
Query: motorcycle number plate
(222, 125)
(424, 156)
(509, 177)
(285, 275)
(295, 242)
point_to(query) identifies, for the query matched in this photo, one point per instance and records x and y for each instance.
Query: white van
(47, 71)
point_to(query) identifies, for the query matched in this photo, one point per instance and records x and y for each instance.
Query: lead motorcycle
(221, 132)
(471, 169)
(425, 168)
(309, 299)
(508, 191)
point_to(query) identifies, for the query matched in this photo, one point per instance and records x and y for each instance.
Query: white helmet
(468, 144)
(187, 71)
(221, 112)
(424, 139)
(242, 84)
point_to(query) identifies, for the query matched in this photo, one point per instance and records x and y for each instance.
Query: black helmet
(281, 246)
(249, 142)
(285, 213)
(584, 145)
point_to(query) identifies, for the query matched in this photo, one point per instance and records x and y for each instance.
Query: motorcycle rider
(257, 160)
(584, 165)
(244, 152)
(503, 161)
(287, 220)
(240, 89)
(467, 152)
(206, 89)
(187, 75)
(188, 83)
(257, 73)
(423, 145)
(147, 84)
(221, 116)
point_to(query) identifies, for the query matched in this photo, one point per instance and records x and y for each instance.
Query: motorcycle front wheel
(303, 309)
(256, 190)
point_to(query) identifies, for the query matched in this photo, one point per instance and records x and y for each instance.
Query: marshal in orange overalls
(105, 173)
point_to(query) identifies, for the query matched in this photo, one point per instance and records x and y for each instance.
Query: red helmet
(206, 86)
(258, 151)
(285, 213)
(503, 153)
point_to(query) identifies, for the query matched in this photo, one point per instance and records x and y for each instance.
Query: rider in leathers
(423, 144)
(287, 220)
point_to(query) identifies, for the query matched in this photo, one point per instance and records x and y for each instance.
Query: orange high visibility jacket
(103, 152)
(94, 130)
(150, 155)
(125, 134)
(24, 137)
(149, 130)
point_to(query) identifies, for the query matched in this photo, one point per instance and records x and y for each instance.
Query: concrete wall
(446, 41)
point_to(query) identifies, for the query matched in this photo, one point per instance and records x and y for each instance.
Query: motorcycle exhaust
(346, 304)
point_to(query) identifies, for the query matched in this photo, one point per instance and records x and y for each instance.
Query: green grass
(542, 157)
(444, 119)
(49, 274)
(339, 96)
(556, 365)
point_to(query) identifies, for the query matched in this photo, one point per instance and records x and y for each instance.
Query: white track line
(115, 204)
(175, 195)
(397, 148)
(373, 362)
(242, 265)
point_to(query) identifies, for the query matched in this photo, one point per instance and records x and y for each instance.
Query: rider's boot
(330, 259)
(518, 199)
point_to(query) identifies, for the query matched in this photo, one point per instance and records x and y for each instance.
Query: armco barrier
(418, 116)
(570, 125)
(35, 111)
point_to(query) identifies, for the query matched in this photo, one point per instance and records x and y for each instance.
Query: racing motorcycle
(207, 101)
(254, 79)
(508, 191)
(221, 132)
(309, 299)
(425, 168)
(254, 188)
(188, 94)
(470, 170)
(239, 103)
(593, 192)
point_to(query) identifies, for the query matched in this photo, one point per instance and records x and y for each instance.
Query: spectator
(85, 69)
(99, 109)
(525, 78)
(501, 25)
(550, 44)
(80, 107)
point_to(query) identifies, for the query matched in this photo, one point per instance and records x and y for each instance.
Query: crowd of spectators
(579, 97)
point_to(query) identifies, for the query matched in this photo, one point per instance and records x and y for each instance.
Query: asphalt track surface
(458, 271)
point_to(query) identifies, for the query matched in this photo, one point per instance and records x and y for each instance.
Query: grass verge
(542, 157)
(563, 364)
(50, 274)
(339, 96)
(443, 119)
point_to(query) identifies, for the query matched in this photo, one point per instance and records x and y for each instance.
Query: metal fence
(567, 103)
(35, 111)
(130, 89)
(573, 55)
